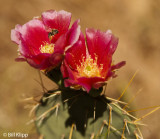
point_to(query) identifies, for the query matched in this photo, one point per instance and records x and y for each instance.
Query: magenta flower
(42, 41)
(90, 66)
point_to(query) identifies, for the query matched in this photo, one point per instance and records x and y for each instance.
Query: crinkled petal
(16, 37)
(33, 36)
(112, 70)
(56, 58)
(30, 37)
(76, 53)
(73, 34)
(57, 20)
(89, 83)
(15, 34)
(20, 59)
(41, 61)
(102, 45)
(69, 73)
(118, 65)
(67, 40)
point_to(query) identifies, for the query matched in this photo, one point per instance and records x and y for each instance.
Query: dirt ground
(136, 23)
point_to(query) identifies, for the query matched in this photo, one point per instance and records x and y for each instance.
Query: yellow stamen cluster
(89, 67)
(47, 48)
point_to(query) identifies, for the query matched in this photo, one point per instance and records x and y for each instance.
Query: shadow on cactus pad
(76, 115)
(83, 107)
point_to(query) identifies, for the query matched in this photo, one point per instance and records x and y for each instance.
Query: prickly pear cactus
(77, 115)
(81, 66)
(74, 114)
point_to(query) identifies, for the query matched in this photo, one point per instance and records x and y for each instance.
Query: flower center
(47, 48)
(89, 68)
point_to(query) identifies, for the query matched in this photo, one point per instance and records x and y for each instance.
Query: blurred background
(136, 24)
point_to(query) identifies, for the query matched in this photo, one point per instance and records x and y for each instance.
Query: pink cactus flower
(42, 41)
(89, 64)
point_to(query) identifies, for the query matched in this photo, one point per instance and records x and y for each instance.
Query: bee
(52, 33)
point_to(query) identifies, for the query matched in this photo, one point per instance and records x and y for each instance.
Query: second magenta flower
(89, 64)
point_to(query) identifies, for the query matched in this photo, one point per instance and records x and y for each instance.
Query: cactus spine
(74, 114)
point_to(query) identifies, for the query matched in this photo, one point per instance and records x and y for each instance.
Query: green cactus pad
(77, 115)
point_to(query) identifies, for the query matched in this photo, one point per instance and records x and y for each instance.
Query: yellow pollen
(47, 48)
(89, 68)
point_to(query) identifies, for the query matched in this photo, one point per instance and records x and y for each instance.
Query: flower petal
(34, 35)
(73, 34)
(118, 65)
(30, 37)
(67, 40)
(15, 34)
(57, 20)
(67, 71)
(88, 83)
(76, 53)
(41, 61)
(64, 70)
(101, 45)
